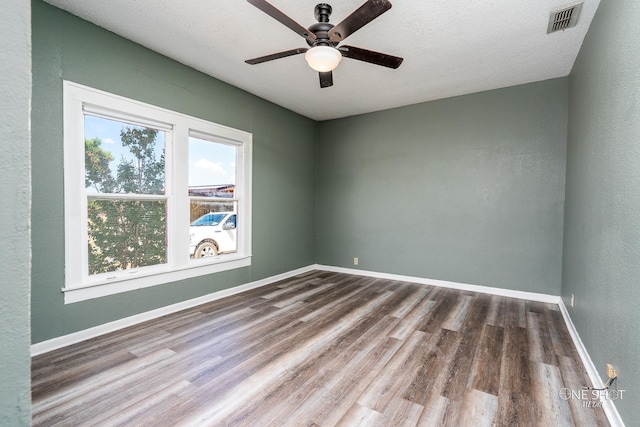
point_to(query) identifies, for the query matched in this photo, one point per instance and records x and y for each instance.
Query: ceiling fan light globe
(323, 58)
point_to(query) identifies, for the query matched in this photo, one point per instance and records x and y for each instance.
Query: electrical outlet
(355, 261)
(572, 300)
(611, 373)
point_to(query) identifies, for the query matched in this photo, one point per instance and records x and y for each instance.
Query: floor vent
(561, 19)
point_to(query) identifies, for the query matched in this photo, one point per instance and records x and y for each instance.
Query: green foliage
(97, 170)
(128, 233)
(125, 234)
(146, 175)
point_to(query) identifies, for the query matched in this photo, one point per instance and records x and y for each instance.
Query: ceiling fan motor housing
(322, 27)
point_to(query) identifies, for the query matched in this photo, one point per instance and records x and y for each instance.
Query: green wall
(602, 214)
(467, 189)
(66, 47)
(15, 196)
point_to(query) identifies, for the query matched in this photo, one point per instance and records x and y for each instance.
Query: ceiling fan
(324, 54)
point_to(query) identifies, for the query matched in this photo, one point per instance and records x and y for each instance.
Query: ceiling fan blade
(276, 14)
(358, 19)
(326, 79)
(371, 56)
(278, 55)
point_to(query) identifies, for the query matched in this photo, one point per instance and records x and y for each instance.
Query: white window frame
(79, 285)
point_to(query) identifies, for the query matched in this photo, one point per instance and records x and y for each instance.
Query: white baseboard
(532, 296)
(63, 341)
(609, 407)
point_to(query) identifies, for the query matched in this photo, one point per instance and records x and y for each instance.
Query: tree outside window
(125, 231)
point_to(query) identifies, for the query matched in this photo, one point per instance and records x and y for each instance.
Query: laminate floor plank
(418, 313)
(398, 373)
(515, 394)
(285, 358)
(549, 410)
(334, 302)
(324, 349)
(132, 394)
(301, 393)
(574, 378)
(226, 337)
(496, 313)
(300, 293)
(146, 410)
(514, 313)
(359, 416)
(289, 286)
(329, 404)
(446, 302)
(252, 294)
(478, 409)
(460, 366)
(350, 382)
(560, 335)
(419, 293)
(402, 413)
(431, 366)
(325, 396)
(436, 413)
(457, 314)
(76, 399)
(90, 354)
(59, 378)
(540, 343)
(201, 331)
(485, 372)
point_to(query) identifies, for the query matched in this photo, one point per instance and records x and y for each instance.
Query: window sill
(90, 291)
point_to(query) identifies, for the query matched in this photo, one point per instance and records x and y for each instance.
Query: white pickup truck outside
(213, 234)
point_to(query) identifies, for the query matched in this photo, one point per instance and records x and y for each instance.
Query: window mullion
(179, 245)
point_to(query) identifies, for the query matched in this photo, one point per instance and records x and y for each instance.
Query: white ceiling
(450, 47)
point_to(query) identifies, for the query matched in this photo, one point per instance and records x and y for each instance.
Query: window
(124, 173)
(212, 177)
(151, 196)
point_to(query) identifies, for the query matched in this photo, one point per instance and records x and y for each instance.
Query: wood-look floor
(324, 349)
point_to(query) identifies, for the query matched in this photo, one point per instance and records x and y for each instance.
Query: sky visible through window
(210, 163)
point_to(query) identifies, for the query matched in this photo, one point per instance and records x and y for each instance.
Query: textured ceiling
(450, 48)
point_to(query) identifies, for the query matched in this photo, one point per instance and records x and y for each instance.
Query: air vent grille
(564, 18)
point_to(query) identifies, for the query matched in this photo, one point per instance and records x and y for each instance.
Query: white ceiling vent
(561, 19)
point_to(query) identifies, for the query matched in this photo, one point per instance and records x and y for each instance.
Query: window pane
(212, 168)
(213, 228)
(200, 207)
(125, 234)
(212, 176)
(123, 158)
